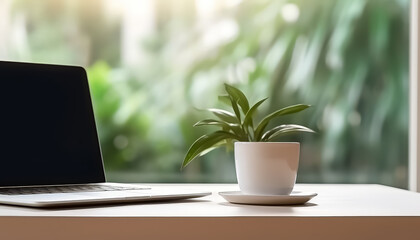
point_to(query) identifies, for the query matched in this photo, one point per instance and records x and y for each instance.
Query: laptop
(49, 148)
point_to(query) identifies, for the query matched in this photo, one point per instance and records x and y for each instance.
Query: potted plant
(262, 165)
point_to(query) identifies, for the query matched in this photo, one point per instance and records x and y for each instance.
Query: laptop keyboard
(66, 189)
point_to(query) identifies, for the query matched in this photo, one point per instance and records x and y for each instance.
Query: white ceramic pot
(266, 168)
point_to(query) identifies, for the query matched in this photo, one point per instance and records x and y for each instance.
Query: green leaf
(234, 127)
(251, 134)
(284, 111)
(207, 122)
(224, 115)
(217, 145)
(235, 109)
(238, 96)
(282, 129)
(248, 117)
(204, 144)
(224, 99)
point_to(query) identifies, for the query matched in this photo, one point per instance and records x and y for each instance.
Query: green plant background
(347, 58)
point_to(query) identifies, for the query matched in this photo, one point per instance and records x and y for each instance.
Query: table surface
(338, 212)
(332, 200)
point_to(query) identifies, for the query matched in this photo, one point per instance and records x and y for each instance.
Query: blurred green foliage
(347, 58)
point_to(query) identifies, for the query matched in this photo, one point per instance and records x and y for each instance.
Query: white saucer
(293, 199)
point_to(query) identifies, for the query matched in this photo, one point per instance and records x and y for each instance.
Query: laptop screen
(47, 128)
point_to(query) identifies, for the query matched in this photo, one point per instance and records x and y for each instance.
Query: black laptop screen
(47, 129)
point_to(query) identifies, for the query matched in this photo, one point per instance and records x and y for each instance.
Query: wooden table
(338, 212)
